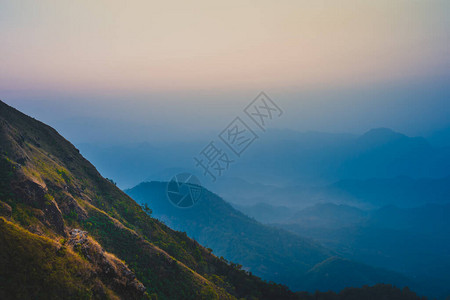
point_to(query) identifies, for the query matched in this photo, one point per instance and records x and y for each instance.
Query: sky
(155, 66)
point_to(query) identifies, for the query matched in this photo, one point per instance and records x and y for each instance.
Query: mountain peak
(382, 133)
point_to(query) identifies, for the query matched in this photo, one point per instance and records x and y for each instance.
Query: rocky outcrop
(113, 272)
(69, 205)
(46, 208)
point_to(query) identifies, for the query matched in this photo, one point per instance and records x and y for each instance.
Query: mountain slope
(48, 189)
(268, 252)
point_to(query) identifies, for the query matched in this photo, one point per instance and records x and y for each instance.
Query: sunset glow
(175, 45)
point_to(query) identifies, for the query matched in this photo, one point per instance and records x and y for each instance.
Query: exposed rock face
(68, 205)
(113, 271)
(37, 197)
(77, 237)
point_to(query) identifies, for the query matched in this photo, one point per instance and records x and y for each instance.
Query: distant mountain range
(284, 158)
(273, 254)
(414, 241)
(370, 193)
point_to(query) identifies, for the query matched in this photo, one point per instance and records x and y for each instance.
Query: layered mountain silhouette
(413, 241)
(271, 253)
(284, 158)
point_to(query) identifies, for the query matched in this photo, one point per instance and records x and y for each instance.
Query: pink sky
(150, 46)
